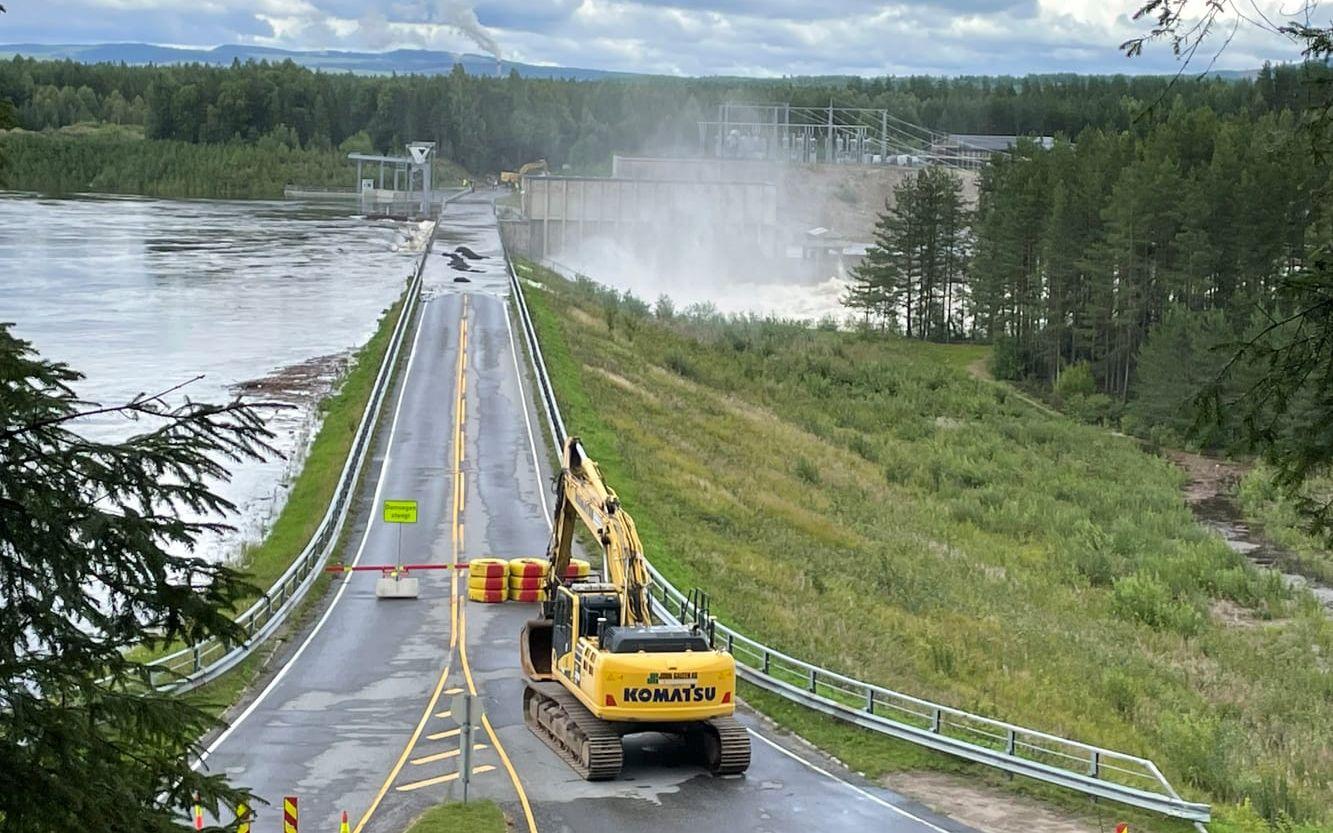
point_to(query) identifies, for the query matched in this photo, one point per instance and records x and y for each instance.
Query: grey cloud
(749, 37)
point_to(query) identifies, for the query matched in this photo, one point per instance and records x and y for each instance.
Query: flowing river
(263, 298)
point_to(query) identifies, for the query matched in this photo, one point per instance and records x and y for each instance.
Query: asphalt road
(357, 718)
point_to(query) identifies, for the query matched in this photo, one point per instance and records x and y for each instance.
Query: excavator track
(589, 745)
(727, 747)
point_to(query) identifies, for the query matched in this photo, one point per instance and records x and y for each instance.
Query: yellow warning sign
(400, 511)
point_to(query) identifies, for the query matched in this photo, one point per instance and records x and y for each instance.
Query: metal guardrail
(194, 665)
(1092, 770)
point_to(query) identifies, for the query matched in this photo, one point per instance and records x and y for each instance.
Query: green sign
(400, 511)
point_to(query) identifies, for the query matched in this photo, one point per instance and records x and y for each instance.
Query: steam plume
(461, 16)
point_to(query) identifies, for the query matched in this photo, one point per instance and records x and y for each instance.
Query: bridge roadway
(355, 716)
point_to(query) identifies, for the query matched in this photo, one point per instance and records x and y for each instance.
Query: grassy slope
(474, 817)
(865, 503)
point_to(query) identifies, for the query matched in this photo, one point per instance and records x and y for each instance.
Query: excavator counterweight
(599, 668)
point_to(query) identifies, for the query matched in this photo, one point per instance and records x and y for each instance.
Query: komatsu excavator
(597, 666)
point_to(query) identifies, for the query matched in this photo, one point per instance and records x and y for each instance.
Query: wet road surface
(358, 718)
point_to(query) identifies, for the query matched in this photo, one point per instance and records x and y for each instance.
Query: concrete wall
(563, 212)
(846, 199)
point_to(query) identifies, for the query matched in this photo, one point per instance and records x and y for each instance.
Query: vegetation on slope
(864, 502)
(487, 124)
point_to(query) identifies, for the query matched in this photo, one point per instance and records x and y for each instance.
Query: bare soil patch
(990, 809)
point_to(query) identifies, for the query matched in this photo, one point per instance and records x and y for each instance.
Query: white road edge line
(536, 465)
(342, 588)
(527, 419)
(848, 784)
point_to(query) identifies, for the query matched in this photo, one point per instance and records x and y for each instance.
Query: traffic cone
(342, 828)
(198, 813)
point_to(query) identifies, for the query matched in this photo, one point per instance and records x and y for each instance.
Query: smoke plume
(461, 16)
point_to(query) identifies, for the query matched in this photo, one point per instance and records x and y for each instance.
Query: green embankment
(114, 160)
(863, 502)
(473, 817)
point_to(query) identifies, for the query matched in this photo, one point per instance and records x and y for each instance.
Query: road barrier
(1092, 770)
(194, 665)
(291, 817)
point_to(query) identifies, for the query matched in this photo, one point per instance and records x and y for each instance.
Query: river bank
(142, 294)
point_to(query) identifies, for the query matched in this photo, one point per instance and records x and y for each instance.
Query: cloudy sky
(683, 37)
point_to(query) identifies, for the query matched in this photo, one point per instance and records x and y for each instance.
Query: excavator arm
(581, 496)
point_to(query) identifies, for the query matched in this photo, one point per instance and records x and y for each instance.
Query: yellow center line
(443, 779)
(428, 712)
(462, 619)
(490, 731)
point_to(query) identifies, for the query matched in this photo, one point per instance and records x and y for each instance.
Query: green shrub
(1075, 380)
(1145, 598)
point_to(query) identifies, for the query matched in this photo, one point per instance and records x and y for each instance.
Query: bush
(1093, 409)
(1147, 599)
(1076, 380)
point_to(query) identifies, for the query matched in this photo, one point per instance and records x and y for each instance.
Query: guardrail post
(731, 643)
(870, 701)
(766, 660)
(1009, 742)
(935, 720)
(198, 658)
(1095, 767)
(814, 680)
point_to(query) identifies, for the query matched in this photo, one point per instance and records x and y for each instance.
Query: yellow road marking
(407, 750)
(445, 713)
(461, 629)
(490, 732)
(454, 690)
(452, 733)
(453, 776)
(453, 639)
(440, 756)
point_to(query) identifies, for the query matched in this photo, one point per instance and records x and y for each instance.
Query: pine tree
(91, 566)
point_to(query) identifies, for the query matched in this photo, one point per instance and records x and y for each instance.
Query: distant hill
(401, 61)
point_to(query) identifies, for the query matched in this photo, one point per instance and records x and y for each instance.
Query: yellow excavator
(515, 178)
(597, 666)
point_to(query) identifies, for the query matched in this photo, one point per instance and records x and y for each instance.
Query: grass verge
(861, 501)
(473, 817)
